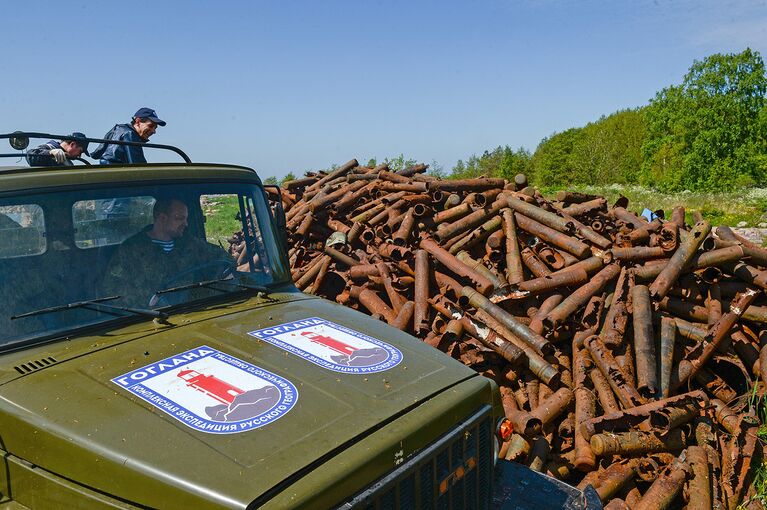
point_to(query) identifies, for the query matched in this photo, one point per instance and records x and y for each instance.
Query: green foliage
(602, 152)
(436, 170)
(710, 132)
(500, 162)
(290, 177)
(270, 180)
(399, 163)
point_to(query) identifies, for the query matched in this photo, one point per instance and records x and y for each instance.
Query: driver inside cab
(162, 256)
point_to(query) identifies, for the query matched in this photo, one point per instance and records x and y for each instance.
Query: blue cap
(148, 113)
(75, 137)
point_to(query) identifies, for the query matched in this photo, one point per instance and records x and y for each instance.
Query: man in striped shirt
(145, 262)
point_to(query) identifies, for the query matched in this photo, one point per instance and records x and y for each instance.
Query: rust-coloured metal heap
(625, 349)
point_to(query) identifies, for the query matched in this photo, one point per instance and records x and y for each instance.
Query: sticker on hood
(211, 391)
(332, 346)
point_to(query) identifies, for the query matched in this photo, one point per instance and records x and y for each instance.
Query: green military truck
(137, 376)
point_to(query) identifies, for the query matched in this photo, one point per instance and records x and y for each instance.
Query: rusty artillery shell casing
(452, 214)
(553, 406)
(617, 319)
(585, 207)
(681, 257)
(554, 281)
(514, 270)
(604, 391)
(636, 442)
(619, 382)
(581, 296)
(533, 339)
(484, 285)
(536, 324)
(421, 310)
(637, 253)
(403, 318)
(476, 236)
(533, 263)
(726, 417)
(534, 361)
(614, 478)
(622, 420)
(370, 300)
(504, 348)
(447, 231)
(644, 343)
(477, 266)
(667, 340)
(541, 216)
(585, 409)
(518, 446)
(552, 236)
(665, 488)
(716, 334)
(700, 483)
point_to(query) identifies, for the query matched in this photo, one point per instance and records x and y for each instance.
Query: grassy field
(729, 209)
(220, 212)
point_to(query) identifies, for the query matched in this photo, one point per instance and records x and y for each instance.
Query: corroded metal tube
(644, 342)
(664, 489)
(421, 295)
(663, 282)
(483, 284)
(619, 382)
(667, 341)
(514, 270)
(581, 296)
(636, 442)
(550, 235)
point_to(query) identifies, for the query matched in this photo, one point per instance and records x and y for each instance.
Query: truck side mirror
(274, 195)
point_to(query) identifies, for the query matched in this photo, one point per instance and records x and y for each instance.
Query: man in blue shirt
(55, 153)
(143, 125)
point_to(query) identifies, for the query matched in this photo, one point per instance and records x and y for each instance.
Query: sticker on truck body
(332, 346)
(211, 391)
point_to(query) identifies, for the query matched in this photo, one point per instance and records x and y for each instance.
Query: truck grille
(454, 473)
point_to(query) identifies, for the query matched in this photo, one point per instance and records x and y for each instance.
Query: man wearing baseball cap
(143, 125)
(61, 153)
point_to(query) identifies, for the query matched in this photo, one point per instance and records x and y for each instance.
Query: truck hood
(222, 408)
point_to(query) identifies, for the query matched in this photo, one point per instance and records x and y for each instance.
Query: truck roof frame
(22, 135)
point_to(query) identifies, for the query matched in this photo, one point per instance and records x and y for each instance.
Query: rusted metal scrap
(624, 348)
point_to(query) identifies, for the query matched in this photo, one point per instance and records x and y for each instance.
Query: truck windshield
(68, 247)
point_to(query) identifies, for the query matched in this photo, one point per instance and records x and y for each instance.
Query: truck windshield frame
(131, 240)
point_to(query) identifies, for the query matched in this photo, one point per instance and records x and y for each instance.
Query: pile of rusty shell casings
(625, 348)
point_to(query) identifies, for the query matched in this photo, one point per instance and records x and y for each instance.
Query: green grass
(748, 205)
(220, 223)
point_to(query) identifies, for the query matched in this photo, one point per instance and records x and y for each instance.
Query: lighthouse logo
(332, 346)
(211, 391)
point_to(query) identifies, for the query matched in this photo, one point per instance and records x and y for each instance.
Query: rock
(762, 225)
(741, 224)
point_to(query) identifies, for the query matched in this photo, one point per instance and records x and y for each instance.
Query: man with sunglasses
(143, 125)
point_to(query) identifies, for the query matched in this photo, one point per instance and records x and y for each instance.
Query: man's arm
(40, 156)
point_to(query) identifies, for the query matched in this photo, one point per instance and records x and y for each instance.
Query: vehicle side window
(22, 231)
(110, 221)
(224, 226)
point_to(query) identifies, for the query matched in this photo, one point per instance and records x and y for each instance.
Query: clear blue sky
(297, 85)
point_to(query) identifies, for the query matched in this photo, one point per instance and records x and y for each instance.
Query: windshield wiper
(208, 284)
(96, 305)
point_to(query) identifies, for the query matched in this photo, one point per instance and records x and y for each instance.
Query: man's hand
(59, 155)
